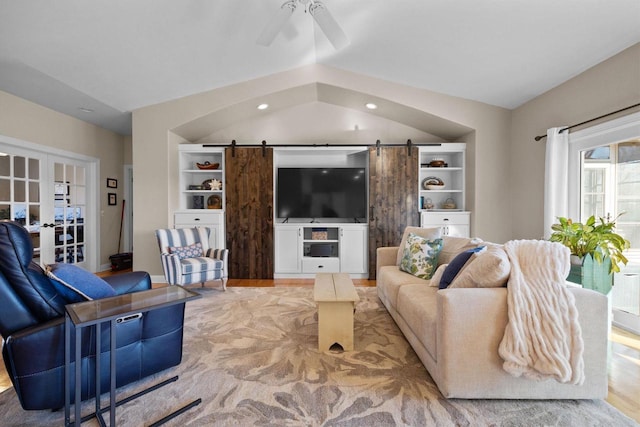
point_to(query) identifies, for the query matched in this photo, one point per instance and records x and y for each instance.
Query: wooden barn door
(393, 197)
(249, 212)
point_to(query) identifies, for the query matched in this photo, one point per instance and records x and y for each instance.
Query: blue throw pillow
(76, 284)
(456, 265)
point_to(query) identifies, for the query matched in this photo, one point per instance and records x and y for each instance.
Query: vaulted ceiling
(114, 56)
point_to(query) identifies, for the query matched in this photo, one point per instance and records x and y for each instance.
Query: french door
(604, 180)
(50, 196)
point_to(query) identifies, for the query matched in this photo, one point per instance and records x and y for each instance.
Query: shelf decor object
(214, 202)
(449, 204)
(212, 184)
(319, 234)
(432, 183)
(207, 165)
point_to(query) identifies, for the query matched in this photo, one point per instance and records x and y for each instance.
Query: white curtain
(556, 178)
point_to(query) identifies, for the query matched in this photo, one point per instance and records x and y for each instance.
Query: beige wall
(609, 86)
(33, 123)
(128, 150)
(155, 144)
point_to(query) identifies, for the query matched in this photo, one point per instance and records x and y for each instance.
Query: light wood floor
(624, 369)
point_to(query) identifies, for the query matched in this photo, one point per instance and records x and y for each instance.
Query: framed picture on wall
(112, 183)
(112, 199)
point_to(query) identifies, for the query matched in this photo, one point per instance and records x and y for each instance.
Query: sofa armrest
(386, 256)
(471, 324)
(222, 255)
(126, 283)
(171, 268)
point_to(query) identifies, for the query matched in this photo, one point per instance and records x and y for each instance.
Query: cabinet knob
(196, 219)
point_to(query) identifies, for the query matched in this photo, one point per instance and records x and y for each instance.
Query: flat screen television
(321, 193)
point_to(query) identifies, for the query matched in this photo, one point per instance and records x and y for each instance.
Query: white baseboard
(627, 321)
(158, 279)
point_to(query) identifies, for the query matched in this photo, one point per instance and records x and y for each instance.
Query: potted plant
(597, 248)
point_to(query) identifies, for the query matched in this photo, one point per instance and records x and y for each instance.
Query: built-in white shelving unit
(200, 204)
(443, 206)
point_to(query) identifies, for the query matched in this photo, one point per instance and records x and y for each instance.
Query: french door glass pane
(70, 206)
(5, 189)
(34, 169)
(628, 194)
(19, 168)
(5, 164)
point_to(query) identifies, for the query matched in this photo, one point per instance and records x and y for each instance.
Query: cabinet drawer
(441, 218)
(188, 218)
(320, 265)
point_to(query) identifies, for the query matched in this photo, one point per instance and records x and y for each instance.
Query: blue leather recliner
(32, 326)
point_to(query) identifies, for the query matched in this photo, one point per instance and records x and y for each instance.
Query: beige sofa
(456, 333)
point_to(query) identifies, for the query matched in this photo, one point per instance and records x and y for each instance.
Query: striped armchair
(187, 258)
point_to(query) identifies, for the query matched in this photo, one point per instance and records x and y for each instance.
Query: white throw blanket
(543, 337)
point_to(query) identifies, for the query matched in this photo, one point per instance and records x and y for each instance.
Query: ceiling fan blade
(277, 22)
(328, 25)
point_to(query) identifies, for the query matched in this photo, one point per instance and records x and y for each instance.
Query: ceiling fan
(320, 13)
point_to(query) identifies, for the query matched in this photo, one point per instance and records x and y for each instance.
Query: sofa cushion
(190, 251)
(437, 276)
(456, 265)
(76, 284)
(417, 305)
(486, 269)
(390, 279)
(420, 256)
(427, 233)
(452, 246)
(200, 264)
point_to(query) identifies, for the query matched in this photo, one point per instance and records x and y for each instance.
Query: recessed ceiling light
(85, 110)
(371, 105)
(263, 106)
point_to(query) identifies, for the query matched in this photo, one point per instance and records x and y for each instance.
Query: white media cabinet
(299, 254)
(346, 246)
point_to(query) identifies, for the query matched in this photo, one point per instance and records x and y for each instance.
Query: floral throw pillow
(191, 251)
(420, 256)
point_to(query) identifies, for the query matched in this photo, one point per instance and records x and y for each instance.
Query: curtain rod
(539, 137)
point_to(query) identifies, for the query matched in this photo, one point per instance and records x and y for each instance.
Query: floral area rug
(251, 355)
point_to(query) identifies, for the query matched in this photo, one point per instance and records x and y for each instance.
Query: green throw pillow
(420, 256)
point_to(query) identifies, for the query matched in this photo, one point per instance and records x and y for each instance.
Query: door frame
(607, 133)
(127, 227)
(92, 228)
